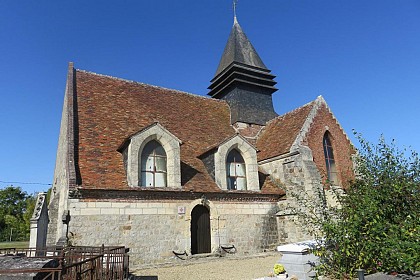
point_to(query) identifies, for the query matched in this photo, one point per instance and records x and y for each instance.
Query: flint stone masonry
(152, 230)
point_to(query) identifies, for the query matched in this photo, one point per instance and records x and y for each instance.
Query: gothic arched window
(153, 165)
(236, 171)
(329, 160)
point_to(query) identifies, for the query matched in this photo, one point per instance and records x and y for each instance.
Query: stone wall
(39, 223)
(302, 171)
(299, 174)
(61, 178)
(153, 229)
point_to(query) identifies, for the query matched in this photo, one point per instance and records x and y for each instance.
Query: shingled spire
(244, 81)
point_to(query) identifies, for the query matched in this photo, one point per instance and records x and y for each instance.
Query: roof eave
(72, 141)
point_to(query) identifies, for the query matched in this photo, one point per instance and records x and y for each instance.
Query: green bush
(377, 227)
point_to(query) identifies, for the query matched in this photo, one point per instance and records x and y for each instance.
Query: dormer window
(235, 165)
(153, 165)
(152, 158)
(236, 171)
(329, 160)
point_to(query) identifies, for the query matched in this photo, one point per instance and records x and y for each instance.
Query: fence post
(360, 274)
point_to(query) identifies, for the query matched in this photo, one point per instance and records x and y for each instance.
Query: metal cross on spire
(235, 2)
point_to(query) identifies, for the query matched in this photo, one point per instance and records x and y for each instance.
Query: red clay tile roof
(111, 109)
(280, 133)
(269, 186)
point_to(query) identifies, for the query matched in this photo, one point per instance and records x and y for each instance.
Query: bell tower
(243, 80)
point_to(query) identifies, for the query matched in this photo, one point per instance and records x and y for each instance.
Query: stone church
(163, 171)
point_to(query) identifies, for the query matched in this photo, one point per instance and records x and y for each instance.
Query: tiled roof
(112, 109)
(280, 133)
(268, 185)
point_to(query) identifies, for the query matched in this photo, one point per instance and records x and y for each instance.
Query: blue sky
(362, 56)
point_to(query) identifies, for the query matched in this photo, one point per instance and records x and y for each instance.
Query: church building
(163, 172)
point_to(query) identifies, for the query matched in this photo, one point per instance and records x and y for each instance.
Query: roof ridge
(149, 85)
(290, 112)
(321, 98)
(308, 122)
(218, 144)
(318, 102)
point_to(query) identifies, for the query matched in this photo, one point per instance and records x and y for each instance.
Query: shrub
(377, 227)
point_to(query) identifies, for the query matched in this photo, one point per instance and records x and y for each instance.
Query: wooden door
(200, 230)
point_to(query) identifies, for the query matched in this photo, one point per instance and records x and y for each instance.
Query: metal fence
(78, 262)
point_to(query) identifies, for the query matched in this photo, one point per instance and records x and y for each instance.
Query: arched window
(153, 165)
(329, 160)
(236, 171)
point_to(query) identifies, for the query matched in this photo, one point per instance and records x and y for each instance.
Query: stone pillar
(63, 241)
(39, 223)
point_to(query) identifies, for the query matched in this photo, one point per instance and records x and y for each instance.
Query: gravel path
(233, 268)
(229, 268)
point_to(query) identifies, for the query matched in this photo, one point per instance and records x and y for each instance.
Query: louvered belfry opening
(200, 230)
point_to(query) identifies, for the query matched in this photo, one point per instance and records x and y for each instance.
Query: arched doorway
(200, 230)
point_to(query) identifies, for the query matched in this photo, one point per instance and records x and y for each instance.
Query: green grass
(14, 244)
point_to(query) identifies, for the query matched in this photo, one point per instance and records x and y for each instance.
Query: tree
(16, 208)
(12, 200)
(377, 227)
